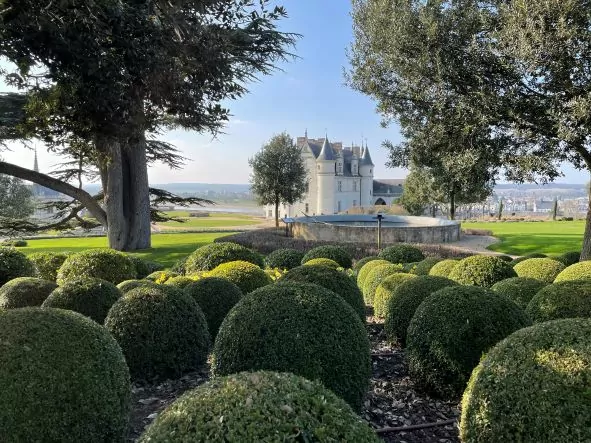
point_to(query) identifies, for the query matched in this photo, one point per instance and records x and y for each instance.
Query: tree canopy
(16, 199)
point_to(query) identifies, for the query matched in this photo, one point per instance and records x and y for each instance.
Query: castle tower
(36, 162)
(366, 167)
(325, 173)
(37, 190)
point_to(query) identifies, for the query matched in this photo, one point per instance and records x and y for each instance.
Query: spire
(365, 157)
(306, 134)
(326, 153)
(35, 162)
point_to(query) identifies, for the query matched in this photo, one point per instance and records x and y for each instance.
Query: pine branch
(161, 197)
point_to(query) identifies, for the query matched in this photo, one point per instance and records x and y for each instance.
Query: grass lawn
(166, 248)
(547, 237)
(215, 220)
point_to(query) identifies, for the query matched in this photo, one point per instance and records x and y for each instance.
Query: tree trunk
(586, 251)
(276, 213)
(452, 205)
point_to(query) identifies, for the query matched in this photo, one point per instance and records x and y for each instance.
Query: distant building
(43, 195)
(340, 178)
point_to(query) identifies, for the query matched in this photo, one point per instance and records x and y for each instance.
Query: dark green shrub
(409, 267)
(180, 282)
(543, 269)
(25, 291)
(335, 253)
(360, 263)
(532, 387)
(128, 285)
(14, 264)
(161, 330)
(505, 257)
(210, 256)
(375, 278)
(280, 405)
(143, 268)
(47, 263)
(405, 300)
(245, 275)
(450, 331)
(88, 296)
(402, 254)
(62, 379)
(527, 257)
(332, 280)
(161, 276)
(284, 259)
(326, 262)
(179, 266)
(300, 328)
(106, 264)
(385, 289)
(443, 268)
(569, 258)
(424, 267)
(481, 270)
(518, 289)
(215, 297)
(578, 271)
(14, 242)
(566, 299)
(367, 268)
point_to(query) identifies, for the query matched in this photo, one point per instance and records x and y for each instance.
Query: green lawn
(215, 220)
(166, 248)
(548, 237)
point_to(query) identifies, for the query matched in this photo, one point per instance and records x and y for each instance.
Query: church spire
(36, 162)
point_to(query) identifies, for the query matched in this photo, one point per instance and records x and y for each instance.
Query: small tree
(278, 173)
(554, 209)
(16, 199)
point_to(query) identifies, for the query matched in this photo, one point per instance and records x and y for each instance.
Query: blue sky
(308, 93)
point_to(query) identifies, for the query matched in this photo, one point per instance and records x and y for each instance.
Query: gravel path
(476, 243)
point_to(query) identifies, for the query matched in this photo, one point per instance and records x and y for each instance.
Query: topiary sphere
(91, 297)
(47, 263)
(505, 257)
(179, 266)
(450, 331)
(128, 285)
(566, 299)
(385, 289)
(326, 262)
(106, 264)
(25, 291)
(62, 378)
(336, 253)
(481, 270)
(210, 256)
(527, 257)
(143, 268)
(284, 259)
(443, 268)
(180, 282)
(405, 300)
(215, 297)
(332, 280)
(162, 331)
(367, 268)
(245, 275)
(300, 328)
(569, 258)
(375, 278)
(409, 267)
(402, 254)
(518, 289)
(161, 276)
(424, 266)
(532, 387)
(14, 264)
(360, 263)
(259, 406)
(578, 271)
(543, 269)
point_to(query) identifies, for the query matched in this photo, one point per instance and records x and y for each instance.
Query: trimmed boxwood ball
(450, 331)
(518, 289)
(91, 297)
(14, 264)
(424, 266)
(527, 257)
(578, 271)
(505, 257)
(543, 269)
(569, 258)
(375, 278)
(215, 297)
(106, 264)
(143, 268)
(481, 270)
(443, 268)
(566, 299)
(161, 330)
(62, 378)
(47, 263)
(128, 285)
(25, 291)
(259, 406)
(332, 280)
(210, 256)
(385, 289)
(360, 263)
(300, 328)
(409, 267)
(532, 387)
(284, 259)
(326, 262)
(245, 275)
(161, 276)
(405, 300)
(367, 268)
(402, 254)
(180, 282)
(336, 253)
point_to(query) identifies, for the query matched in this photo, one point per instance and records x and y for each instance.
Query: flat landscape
(214, 220)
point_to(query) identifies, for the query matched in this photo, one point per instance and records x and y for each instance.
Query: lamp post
(379, 218)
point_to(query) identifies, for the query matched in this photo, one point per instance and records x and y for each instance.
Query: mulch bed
(393, 400)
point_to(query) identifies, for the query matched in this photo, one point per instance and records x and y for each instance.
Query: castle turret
(354, 162)
(325, 172)
(366, 171)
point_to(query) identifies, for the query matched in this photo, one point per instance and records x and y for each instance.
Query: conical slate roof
(326, 153)
(366, 158)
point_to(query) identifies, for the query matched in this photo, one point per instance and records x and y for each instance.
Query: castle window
(354, 202)
(354, 168)
(307, 208)
(340, 186)
(340, 168)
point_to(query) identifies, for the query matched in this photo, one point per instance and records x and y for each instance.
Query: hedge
(284, 259)
(14, 264)
(161, 276)
(128, 285)
(527, 257)
(385, 290)
(335, 253)
(481, 270)
(424, 266)
(518, 289)
(569, 258)
(47, 263)
(561, 300)
(367, 268)
(210, 256)
(325, 262)
(143, 268)
(443, 268)
(375, 278)
(106, 264)
(180, 282)
(578, 271)
(402, 254)
(245, 275)
(25, 291)
(543, 269)
(360, 263)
